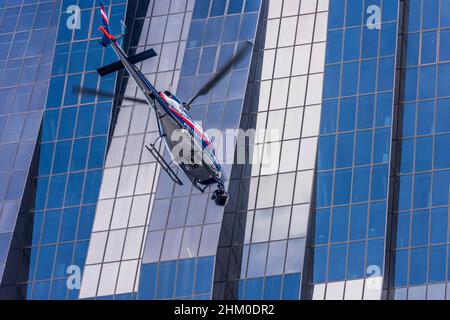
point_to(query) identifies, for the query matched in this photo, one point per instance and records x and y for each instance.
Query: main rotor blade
(219, 75)
(104, 94)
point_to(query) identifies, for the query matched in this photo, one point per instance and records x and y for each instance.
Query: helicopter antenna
(123, 28)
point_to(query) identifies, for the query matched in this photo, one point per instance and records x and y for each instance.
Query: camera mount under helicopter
(220, 196)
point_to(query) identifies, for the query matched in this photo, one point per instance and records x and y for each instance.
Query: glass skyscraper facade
(419, 252)
(28, 35)
(352, 173)
(344, 193)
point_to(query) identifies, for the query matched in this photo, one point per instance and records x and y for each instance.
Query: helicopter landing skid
(164, 165)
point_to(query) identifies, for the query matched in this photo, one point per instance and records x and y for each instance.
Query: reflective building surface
(333, 132)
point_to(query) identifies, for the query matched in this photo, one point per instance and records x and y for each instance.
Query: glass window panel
(418, 266)
(368, 76)
(336, 269)
(363, 148)
(116, 152)
(308, 149)
(444, 44)
(285, 189)
(305, 29)
(280, 223)
(291, 7)
(339, 225)
(4, 245)
(62, 156)
(248, 28)
(287, 37)
(323, 189)
(190, 244)
(114, 245)
(8, 216)
(172, 242)
(355, 267)
(266, 191)
(345, 144)
(257, 260)
(295, 255)
(63, 259)
(365, 112)
(347, 114)
(14, 128)
(218, 8)
(145, 178)
(45, 262)
(252, 5)
(352, 43)
(361, 183)
(213, 31)
(437, 264)
(342, 184)
(127, 181)
(422, 191)
(67, 123)
(148, 276)
(311, 122)
(442, 152)
(8, 152)
(84, 122)
(320, 264)
(283, 62)
(160, 213)
(69, 224)
(271, 35)
(152, 252)
(261, 225)
(299, 221)
(133, 242)
(272, 288)
(439, 224)
(121, 213)
(291, 287)
(108, 279)
(235, 6)
(204, 276)
(185, 278)
(127, 274)
(358, 222)
(275, 259)
(139, 211)
(289, 155)
(293, 123)
(301, 60)
(196, 210)
(419, 231)
(178, 212)
(51, 227)
(315, 93)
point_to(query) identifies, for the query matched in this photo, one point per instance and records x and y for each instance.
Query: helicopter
(200, 164)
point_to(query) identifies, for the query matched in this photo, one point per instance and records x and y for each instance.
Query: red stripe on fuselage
(185, 120)
(110, 37)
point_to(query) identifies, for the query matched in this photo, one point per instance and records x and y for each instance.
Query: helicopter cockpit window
(174, 102)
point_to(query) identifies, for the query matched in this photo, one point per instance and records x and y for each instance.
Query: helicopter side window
(175, 104)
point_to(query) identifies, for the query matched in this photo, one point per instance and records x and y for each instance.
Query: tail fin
(116, 66)
(107, 37)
